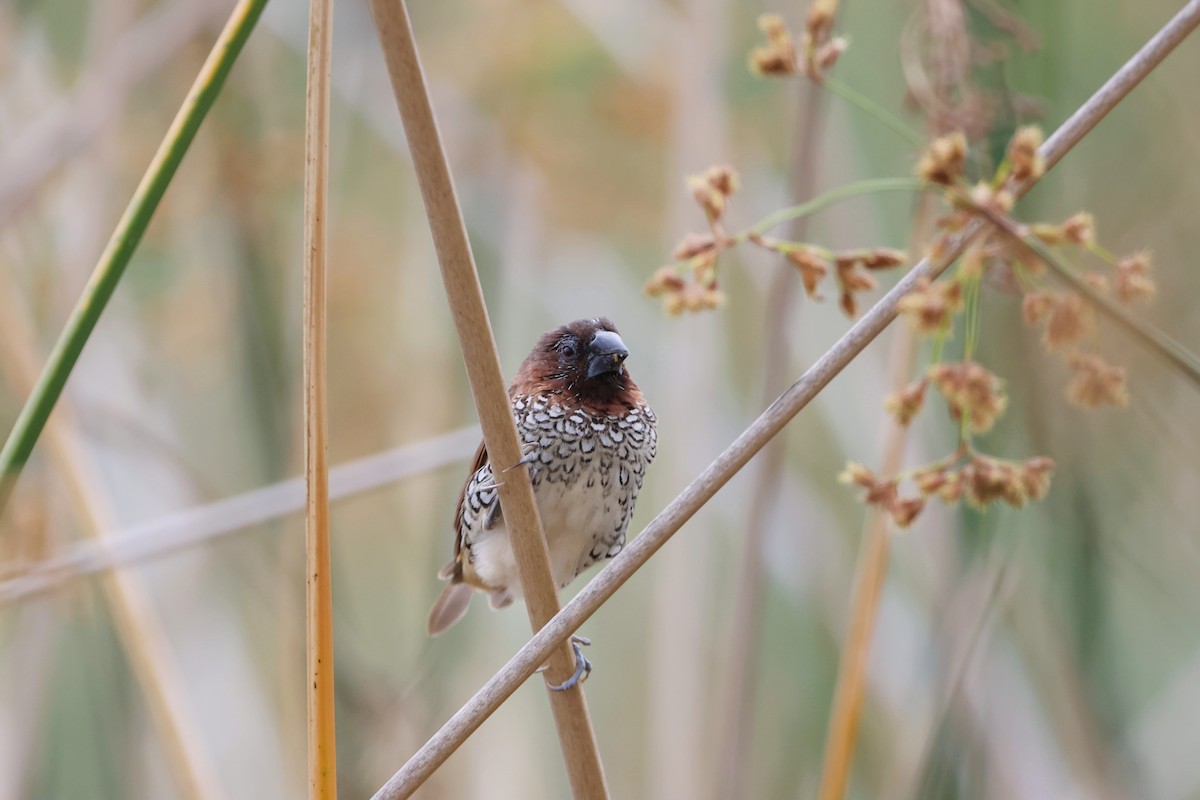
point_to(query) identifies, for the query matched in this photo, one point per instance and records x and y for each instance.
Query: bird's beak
(606, 352)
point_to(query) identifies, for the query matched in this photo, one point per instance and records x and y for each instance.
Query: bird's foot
(583, 667)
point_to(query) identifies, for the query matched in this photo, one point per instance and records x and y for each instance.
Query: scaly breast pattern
(586, 472)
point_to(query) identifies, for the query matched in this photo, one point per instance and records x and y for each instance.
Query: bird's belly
(584, 520)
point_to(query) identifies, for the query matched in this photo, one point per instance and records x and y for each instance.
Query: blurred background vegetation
(1050, 652)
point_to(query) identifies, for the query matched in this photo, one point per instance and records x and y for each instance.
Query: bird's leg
(583, 667)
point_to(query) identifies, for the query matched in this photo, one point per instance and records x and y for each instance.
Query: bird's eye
(567, 350)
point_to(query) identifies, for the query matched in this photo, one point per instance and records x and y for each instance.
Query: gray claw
(583, 667)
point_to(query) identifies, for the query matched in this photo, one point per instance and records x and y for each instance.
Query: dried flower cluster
(930, 307)
(819, 48)
(983, 480)
(1067, 318)
(975, 398)
(700, 253)
(883, 493)
(1006, 254)
(944, 161)
(1025, 160)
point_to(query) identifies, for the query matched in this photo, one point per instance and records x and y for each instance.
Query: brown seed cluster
(712, 190)
(972, 391)
(1133, 279)
(813, 268)
(882, 493)
(700, 251)
(979, 479)
(945, 160)
(1024, 160)
(819, 48)
(778, 56)
(1096, 383)
(931, 306)
(906, 403)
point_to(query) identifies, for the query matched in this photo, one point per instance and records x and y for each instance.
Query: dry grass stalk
(463, 291)
(737, 695)
(523, 664)
(869, 575)
(141, 636)
(322, 735)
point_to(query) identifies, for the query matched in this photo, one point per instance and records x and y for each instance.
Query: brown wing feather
(453, 570)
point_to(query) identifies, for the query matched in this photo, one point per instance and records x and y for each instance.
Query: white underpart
(572, 520)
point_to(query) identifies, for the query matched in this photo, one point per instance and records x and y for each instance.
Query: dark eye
(567, 350)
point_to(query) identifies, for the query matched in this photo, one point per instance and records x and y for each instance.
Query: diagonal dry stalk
(322, 734)
(138, 628)
(204, 523)
(465, 295)
(523, 664)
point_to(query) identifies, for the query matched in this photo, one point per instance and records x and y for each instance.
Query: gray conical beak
(606, 353)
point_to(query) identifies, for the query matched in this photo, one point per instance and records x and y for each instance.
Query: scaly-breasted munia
(588, 436)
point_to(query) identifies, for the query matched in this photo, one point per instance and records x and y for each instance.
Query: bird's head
(584, 359)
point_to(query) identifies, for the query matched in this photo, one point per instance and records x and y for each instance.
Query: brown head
(583, 363)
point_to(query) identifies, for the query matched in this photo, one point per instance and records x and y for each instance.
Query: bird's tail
(449, 608)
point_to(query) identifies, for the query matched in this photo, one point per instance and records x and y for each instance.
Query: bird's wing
(480, 460)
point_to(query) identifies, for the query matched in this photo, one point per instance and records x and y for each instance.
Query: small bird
(588, 436)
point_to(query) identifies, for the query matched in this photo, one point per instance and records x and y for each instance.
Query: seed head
(931, 306)
(986, 480)
(907, 402)
(856, 474)
(1079, 229)
(1023, 157)
(1035, 477)
(971, 388)
(884, 258)
(665, 281)
(813, 268)
(1069, 321)
(944, 161)
(929, 481)
(853, 279)
(711, 190)
(692, 245)
(848, 303)
(1096, 383)
(778, 56)
(905, 511)
(1133, 278)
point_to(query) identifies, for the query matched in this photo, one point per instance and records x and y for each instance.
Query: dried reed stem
(204, 523)
(121, 246)
(463, 291)
(141, 636)
(869, 574)
(736, 731)
(523, 664)
(322, 734)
